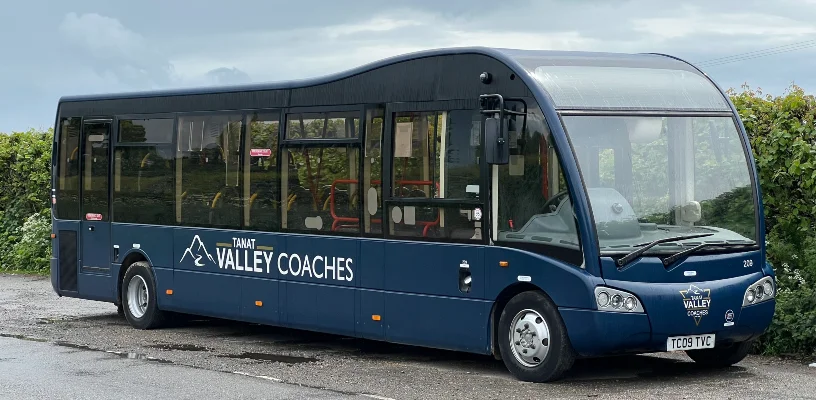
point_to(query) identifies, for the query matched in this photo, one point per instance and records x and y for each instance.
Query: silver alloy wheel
(529, 338)
(137, 296)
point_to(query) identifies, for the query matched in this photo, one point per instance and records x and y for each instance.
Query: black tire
(560, 355)
(120, 310)
(152, 317)
(721, 357)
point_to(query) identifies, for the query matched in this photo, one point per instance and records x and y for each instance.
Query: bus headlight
(608, 299)
(759, 291)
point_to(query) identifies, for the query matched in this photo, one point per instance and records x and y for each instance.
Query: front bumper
(598, 333)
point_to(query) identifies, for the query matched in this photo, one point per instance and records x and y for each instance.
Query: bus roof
(573, 79)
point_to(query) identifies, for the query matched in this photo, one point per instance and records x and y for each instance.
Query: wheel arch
(131, 257)
(498, 306)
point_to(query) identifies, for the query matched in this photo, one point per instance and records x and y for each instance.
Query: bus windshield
(650, 178)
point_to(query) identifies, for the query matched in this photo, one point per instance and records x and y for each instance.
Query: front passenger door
(434, 201)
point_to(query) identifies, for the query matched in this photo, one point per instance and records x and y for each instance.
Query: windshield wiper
(635, 254)
(674, 257)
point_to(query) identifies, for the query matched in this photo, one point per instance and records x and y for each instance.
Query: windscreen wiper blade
(674, 257)
(635, 254)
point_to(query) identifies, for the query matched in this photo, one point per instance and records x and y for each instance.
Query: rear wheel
(533, 339)
(139, 300)
(720, 357)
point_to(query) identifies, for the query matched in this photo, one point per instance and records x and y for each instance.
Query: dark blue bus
(535, 206)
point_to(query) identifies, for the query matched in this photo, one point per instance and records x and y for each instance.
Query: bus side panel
(425, 303)
(566, 285)
(155, 242)
(210, 267)
(370, 297)
(439, 322)
(320, 274)
(320, 307)
(259, 300)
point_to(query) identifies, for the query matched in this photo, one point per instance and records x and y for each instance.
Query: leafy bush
(25, 176)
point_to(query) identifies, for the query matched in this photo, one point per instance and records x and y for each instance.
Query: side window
(436, 155)
(535, 209)
(262, 183)
(68, 168)
(372, 171)
(143, 167)
(208, 184)
(95, 168)
(320, 180)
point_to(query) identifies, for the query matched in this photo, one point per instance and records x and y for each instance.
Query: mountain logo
(697, 302)
(197, 251)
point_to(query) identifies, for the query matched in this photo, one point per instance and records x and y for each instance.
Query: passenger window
(535, 210)
(143, 188)
(372, 172)
(208, 153)
(262, 186)
(321, 179)
(333, 125)
(68, 169)
(437, 156)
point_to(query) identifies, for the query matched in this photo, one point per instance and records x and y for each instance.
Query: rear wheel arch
(130, 258)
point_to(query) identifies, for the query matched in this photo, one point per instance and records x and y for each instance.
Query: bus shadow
(637, 368)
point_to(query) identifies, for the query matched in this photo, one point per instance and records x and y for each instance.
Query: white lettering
(268, 260)
(281, 270)
(330, 267)
(350, 275)
(238, 265)
(307, 267)
(340, 269)
(221, 253)
(291, 271)
(230, 262)
(256, 260)
(314, 266)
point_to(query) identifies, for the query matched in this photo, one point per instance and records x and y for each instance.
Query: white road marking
(374, 396)
(269, 378)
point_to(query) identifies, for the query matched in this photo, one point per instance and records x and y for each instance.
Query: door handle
(465, 278)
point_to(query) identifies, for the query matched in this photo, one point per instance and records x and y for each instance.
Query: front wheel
(139, 300)
(720, 357)
(533, 339)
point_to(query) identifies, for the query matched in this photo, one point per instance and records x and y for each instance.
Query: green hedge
(783, 138)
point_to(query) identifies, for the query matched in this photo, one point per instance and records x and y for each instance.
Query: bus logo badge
(697, 302)
(195, 251)
(729, 318)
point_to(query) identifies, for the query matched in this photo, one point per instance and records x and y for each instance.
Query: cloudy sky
(52, 48)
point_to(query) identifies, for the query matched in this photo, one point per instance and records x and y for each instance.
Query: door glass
(95, 137)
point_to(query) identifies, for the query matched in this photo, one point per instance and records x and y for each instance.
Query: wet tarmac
(31, 314)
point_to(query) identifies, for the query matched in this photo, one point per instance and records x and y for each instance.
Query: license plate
(692, 342)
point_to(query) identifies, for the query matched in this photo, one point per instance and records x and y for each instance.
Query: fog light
(630, 303)
(603, 299)
(617, 300)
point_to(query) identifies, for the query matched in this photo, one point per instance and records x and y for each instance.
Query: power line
(758, 53)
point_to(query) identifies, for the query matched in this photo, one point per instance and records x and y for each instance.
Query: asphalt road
(83, 349)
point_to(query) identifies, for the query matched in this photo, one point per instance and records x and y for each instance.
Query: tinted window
(535, 209)
(262, 187)
(68, 159)
(322, 189)
(95, 165)
(146, 130)
(208, 150)
(143, 187)
(372, 172)
(437, 156)
(333, 125)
